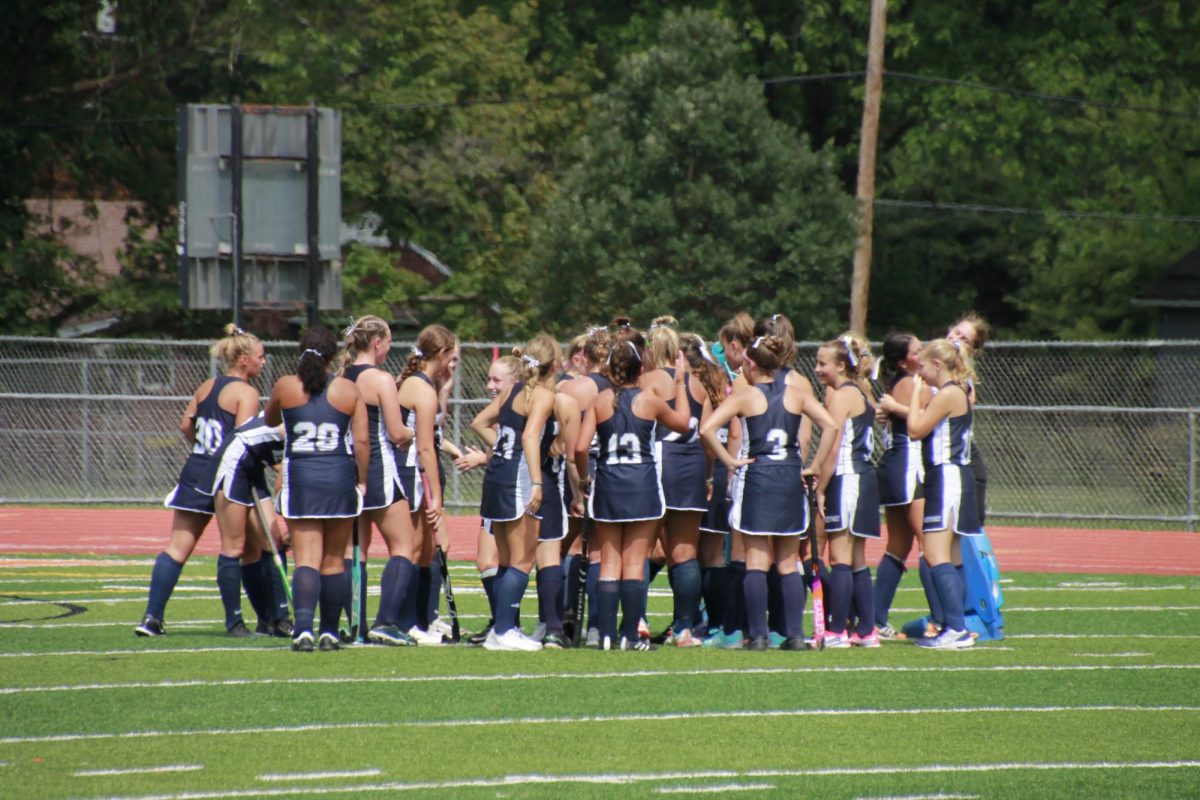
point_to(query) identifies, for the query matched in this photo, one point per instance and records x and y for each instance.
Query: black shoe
(554, 640)
(794, 643)
(328, 643)
(303, 643)
(662, 637)
(150, 627)
(477, 639)
(282, 628)
(239, 631)
(758, 643)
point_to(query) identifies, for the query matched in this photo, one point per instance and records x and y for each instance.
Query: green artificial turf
(1095, 692)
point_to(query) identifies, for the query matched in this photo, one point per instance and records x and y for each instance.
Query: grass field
(1096, 693)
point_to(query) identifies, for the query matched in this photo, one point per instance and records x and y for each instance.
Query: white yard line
(316, 776)
(543, 676)
(99, 773)
(590, 719)
(618, 779)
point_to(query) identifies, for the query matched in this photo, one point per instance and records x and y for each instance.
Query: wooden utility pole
(860, 282)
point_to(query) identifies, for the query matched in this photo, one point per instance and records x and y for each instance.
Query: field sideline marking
(719, 788)
(541, 676)
(673, 716)
(643, 777)
(97, 773)
(569, 675)
(305, 776)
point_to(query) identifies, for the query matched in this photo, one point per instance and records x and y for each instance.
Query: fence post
(85, 449)
(1191, 488)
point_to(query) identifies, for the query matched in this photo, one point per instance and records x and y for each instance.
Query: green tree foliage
(424, 147)
(689, 199)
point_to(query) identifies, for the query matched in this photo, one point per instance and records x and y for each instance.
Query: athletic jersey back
(858, 439)
(319, 472)
(950, 440)
(627, 479)
(408, 455)
(510, 427)
(770, 437)
(214, 427)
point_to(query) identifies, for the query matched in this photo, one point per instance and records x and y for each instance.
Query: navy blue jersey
(770, 437)
(950, 440)
(897, 424)
(858, 439)
(602, 383)
(408, 466)
(768, 500)
(695, 409)
(383, 475)
(255, 446)
(627, 487)
(319, 472)
(214, 430)
(507, 485)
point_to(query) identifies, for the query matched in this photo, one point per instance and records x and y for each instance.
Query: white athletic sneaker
(948, 640)
(440, 626)
(426, 638)
(605, 643)
(593, 637)
(511, 640)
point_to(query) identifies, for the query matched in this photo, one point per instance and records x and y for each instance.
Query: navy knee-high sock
(229, 583)
(333, 590)
(776, 616)
(949, 590)
(864, 601)
(685, 580)
(279, 600)
(735, 597)
(936, 612)
(406, 617)
(549, 589)
(887, 579)
(608, 595)
(755, 587)
(839, 594)
(791, 586)
(424, 581)
(257, 588)
(962, 578)
(387, 585)
(163, 578)
(593, 597)
(306, 586)
(712, 587)
(510, 588)
(633, 608)
(488, 577)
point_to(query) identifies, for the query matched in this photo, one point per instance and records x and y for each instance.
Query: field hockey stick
(356, 587)
(266, 534)
(451, 605)
(818, 591)
(579, 601)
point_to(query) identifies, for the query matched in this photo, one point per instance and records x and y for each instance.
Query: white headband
(416, 351)
(846, 340)
(530, 360)
(316, 353)
(706, 355)
(353, 326)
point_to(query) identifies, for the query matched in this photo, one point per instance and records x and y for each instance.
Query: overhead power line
(1045, 96)
(976, 208)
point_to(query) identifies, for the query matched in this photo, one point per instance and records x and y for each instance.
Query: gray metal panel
(208, 203)
(273, 208)
(269, 281)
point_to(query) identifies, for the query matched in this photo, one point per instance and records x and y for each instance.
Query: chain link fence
(1070, 430)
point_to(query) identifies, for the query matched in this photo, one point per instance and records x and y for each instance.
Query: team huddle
(635, 450)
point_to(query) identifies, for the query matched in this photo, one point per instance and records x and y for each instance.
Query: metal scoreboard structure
(260, 208)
